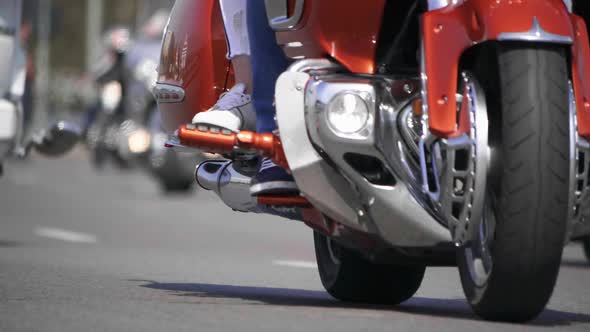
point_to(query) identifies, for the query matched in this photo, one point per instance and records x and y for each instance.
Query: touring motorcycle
(420, 133)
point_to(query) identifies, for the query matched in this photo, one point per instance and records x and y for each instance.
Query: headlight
(139, 141)
(347, 113)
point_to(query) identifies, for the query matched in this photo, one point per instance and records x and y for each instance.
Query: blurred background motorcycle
(15, 98)
(122, 124)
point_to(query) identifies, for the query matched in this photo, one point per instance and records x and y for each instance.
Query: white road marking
(65, 235)
(299, 264)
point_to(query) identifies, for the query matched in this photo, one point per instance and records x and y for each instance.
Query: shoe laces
(232, 99)
(266, 164)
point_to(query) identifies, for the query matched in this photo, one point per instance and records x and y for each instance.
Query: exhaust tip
(207, 173)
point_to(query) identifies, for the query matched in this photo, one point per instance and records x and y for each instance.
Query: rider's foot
(233, 111)
(272, 180)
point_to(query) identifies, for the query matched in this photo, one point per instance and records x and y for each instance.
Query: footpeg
(218, 140)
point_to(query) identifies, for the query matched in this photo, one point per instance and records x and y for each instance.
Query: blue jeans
(268, 62)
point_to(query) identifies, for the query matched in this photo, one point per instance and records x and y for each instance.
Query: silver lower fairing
(325, 166)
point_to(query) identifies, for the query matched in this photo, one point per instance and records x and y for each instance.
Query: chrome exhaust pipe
(233, 187)
(207, 173)
(230, 185)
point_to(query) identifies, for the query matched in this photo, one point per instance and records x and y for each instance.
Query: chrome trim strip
(569, 4)
(167, 93)
(535, 34)
(276, 11)
(311, 65)
(437, 4)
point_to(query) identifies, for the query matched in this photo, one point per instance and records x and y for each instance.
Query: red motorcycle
(420, 133)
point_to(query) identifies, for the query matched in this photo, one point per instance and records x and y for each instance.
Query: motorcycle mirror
(57, 140)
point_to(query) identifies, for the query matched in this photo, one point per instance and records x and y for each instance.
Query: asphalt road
(87, 251)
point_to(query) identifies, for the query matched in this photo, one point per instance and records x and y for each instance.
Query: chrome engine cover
(318, 157)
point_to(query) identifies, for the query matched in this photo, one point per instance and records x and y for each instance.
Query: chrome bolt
(408, 88)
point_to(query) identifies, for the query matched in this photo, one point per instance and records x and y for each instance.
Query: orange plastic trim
(449, 31)
(581, 75)
(344, 30)
(193, 57)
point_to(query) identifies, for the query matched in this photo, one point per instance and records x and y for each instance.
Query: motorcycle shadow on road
(251, 295)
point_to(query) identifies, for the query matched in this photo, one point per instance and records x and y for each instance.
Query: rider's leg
(238, 41)
(268, 62)
(243, 71)
(234, 110)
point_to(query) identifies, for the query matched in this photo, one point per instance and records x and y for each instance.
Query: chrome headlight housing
(342, 109)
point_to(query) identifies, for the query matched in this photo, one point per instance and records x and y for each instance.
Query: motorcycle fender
(193, 68)
(449, 31)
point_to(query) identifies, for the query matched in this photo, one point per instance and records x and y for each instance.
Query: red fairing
(449, 31)
(193, 57)
(344, 30)
(581, 75)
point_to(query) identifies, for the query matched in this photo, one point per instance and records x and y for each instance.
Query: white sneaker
(233, 111)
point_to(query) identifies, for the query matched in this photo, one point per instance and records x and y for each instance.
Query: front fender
(449, 31)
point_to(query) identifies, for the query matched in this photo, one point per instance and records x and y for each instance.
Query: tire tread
(534, 181)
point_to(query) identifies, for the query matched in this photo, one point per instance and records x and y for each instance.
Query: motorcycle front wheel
(510, 265)
(349, 277)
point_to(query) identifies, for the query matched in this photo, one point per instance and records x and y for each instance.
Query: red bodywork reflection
(193, 57)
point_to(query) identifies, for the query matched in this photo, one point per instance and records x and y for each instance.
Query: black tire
(530, 183)
(173, 175)
(355, 279)
(586, 243)
(176, 186)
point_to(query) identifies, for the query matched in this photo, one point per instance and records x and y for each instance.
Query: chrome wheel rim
(333, 252)
(479, 234)
(477, 252)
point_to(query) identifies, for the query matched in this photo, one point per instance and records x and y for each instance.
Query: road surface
(88, 251)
